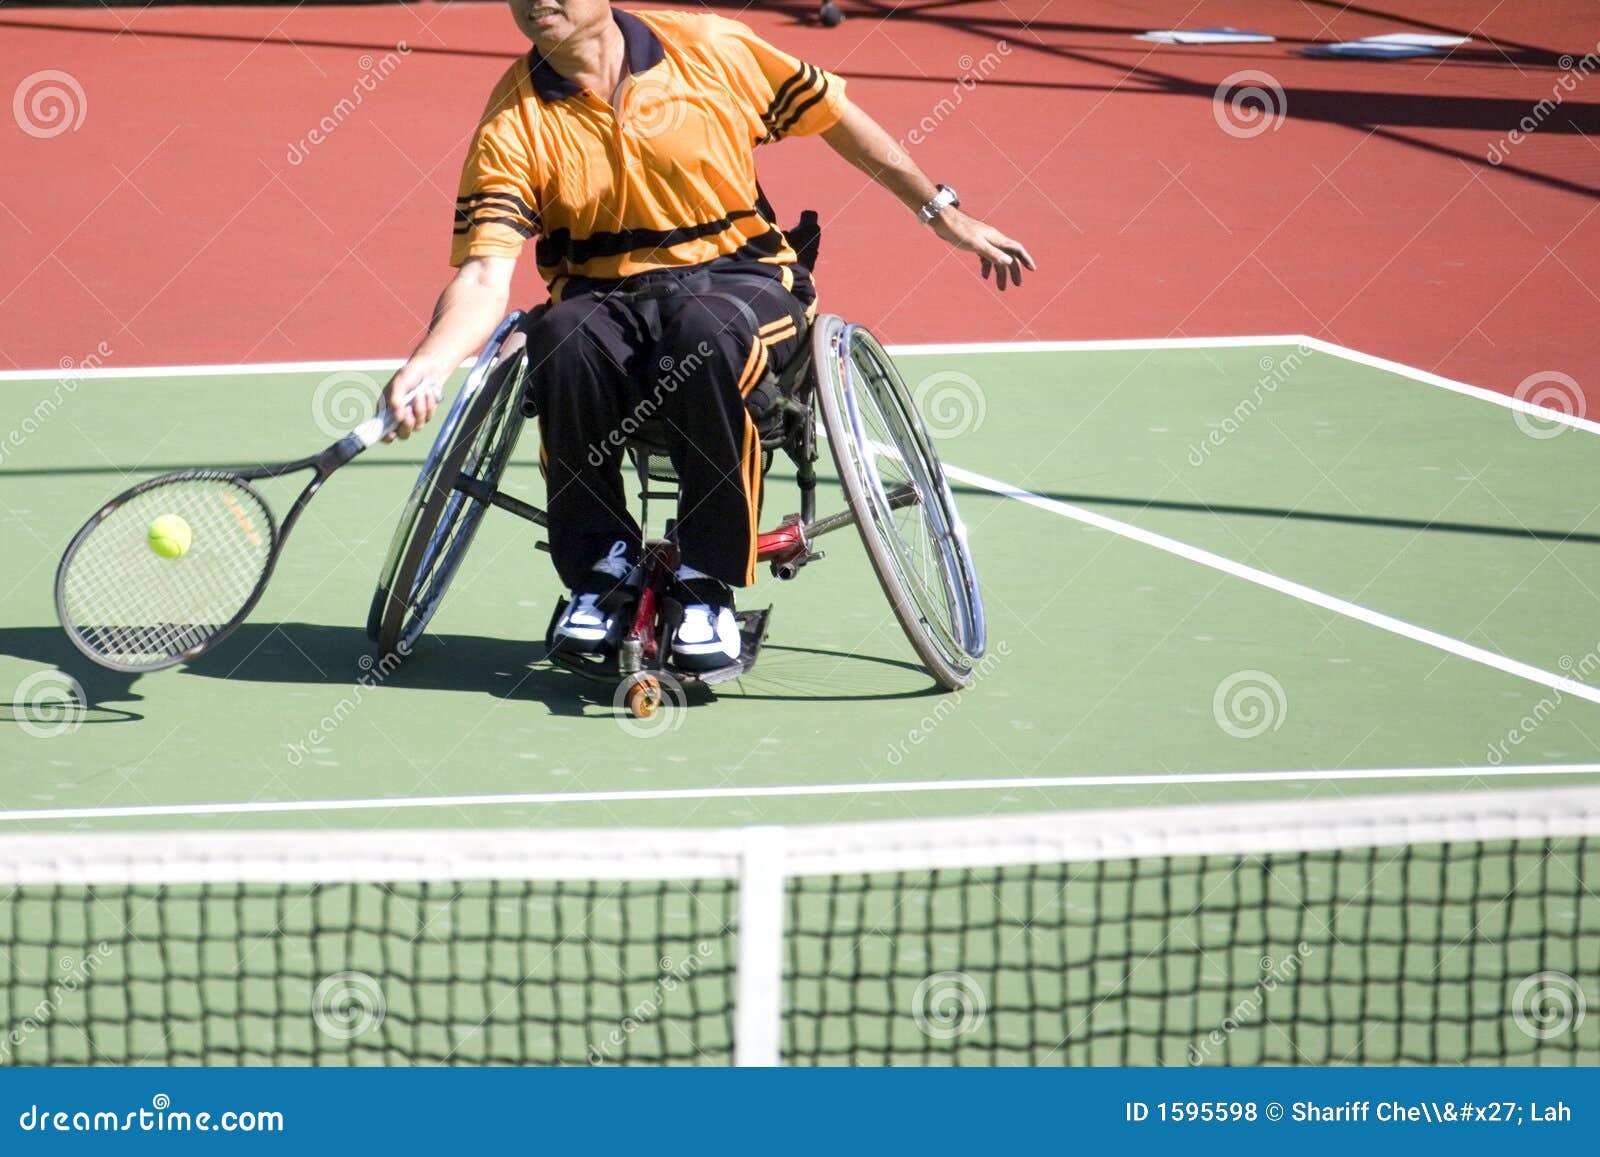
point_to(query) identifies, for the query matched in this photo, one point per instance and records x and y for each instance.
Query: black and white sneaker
(705, 633)
(594, 619)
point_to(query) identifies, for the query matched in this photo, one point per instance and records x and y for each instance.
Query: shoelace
(615, 561)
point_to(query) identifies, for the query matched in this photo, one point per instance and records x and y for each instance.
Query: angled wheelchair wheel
(462, 470)
(901, 500)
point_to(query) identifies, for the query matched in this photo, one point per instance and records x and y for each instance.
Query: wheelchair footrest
(752, 633)
(603, 668)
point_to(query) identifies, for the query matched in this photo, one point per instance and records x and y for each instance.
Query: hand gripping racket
(130, 609)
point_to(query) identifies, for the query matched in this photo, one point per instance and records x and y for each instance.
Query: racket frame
(323, 463)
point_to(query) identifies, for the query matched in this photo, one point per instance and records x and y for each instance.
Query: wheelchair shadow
(815, 674)
(319, 654)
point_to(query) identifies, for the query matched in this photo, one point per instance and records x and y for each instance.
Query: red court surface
(189, 219)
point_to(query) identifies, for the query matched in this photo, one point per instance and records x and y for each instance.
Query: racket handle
(384, 421)
(370, 432)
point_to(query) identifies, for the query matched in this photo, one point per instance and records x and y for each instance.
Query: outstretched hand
(996, 251)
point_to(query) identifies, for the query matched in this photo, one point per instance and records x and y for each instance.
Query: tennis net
(1434, 929)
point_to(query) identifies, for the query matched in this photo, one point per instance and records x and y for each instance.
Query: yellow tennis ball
(169, 536)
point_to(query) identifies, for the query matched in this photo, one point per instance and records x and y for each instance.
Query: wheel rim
(887, 449)
(485, 461)
(412, 585)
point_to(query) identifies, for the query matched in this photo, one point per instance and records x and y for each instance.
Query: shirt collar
(641, 51)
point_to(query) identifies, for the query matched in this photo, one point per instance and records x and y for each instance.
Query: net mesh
(481, 972)
(1444, 954)
(1148, 938)
(135, 609)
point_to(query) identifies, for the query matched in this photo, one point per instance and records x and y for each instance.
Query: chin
(546, 33)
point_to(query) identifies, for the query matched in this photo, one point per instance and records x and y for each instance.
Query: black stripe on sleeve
(794, 117)
(780, 109)
(502, 200)
(477, 213)
(784, 91)
(464, 227)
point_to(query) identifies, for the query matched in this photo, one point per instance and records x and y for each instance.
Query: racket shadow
(320, 654)
(47, 647)
(314, 654)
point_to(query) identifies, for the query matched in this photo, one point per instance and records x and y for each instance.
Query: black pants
(683, 349)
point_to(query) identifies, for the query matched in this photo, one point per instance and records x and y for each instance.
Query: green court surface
(1419, 595)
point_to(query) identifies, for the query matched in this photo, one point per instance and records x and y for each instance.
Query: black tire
(475, 442)
(874, 431)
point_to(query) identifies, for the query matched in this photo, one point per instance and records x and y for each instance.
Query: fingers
(404, 423)
(1027, 258)
(1004, 266)
(408, 411)
(1008, 258)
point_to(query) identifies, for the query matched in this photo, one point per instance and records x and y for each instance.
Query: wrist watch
(944, 198)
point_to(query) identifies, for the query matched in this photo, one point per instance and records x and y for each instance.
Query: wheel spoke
(472, 448)
(903, 504)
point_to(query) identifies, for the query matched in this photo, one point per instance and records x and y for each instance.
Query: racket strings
(139, 610)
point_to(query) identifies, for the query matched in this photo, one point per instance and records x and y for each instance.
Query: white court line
(1400, 369)
(1090, 346)
(1178, 779)
(946, 348)
(99, 373)
(1284, 586)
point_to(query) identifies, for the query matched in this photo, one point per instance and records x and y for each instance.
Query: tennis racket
(131, 609)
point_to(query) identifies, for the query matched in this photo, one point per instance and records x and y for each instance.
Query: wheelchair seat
(775, 404)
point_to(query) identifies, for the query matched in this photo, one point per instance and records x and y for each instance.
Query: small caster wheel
(643, 696)
(831, 15)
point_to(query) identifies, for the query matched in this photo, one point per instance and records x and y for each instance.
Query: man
(625, 144)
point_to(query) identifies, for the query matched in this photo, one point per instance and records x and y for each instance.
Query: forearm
(463, 318)
(867, 145)
(863, 142)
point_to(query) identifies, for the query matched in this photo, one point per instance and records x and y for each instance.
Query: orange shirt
(666, 179)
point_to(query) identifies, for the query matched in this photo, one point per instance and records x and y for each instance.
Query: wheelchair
(841, 388)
